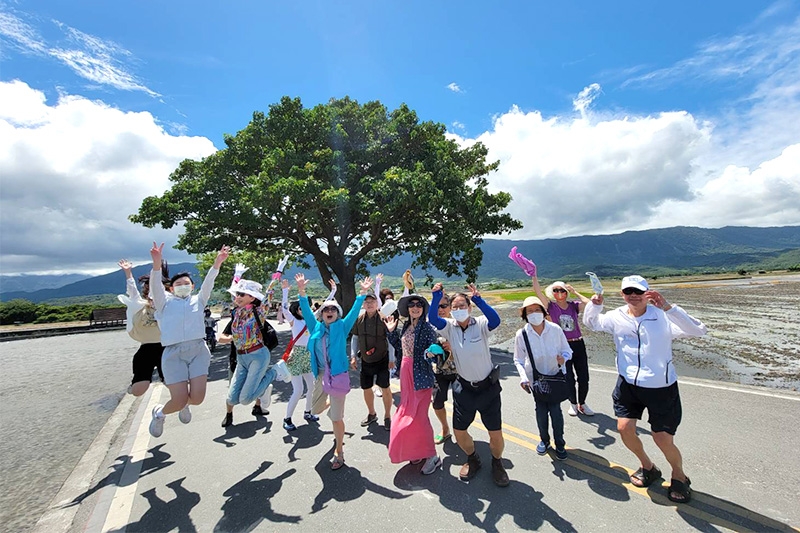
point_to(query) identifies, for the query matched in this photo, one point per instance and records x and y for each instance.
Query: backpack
(268, 334)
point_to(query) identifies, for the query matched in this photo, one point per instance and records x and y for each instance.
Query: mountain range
(650, 252)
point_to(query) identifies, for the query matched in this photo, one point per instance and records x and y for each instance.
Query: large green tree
(344, 183)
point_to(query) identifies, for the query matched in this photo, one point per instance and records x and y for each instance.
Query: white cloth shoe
(157, 423)
(185, 415)
(266, 399)
(586, 410)
(431, 464)
(282, 372)
(573, 410)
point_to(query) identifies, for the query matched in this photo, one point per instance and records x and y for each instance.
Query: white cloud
(458, 126)
(454, 87)
(72, 172)
(92, 58)
(600, 175)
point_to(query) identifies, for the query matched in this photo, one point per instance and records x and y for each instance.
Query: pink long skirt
(411, 437)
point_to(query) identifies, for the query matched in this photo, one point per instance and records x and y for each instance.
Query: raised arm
(157, 291)
(308, 314)
(285, 301)
(378, 281)
(433, 311)
(488, 311)
(538, 290)
(208, 282)
(130, 283)
(584, 300)
(681, 323)
(592, 317)
(352, 315)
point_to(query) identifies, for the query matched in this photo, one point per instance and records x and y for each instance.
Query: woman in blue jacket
(329, 361)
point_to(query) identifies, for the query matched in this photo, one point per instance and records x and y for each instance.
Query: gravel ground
(754, 335)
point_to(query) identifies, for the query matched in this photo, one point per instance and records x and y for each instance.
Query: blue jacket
(337, 337)
(424, 336)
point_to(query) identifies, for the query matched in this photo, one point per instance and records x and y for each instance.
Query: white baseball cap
(637, 282)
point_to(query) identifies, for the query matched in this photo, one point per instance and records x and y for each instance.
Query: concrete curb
(61, 511)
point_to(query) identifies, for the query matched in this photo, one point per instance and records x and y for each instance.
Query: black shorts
(443, 382)
(375, 373)
(146, 358)
(467, 401)
(663, 405)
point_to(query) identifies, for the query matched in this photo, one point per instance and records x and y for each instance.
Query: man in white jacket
(643, 331)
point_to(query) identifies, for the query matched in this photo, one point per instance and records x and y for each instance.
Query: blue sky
(691, 105)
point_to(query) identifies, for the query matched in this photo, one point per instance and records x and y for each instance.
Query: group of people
(435, 347)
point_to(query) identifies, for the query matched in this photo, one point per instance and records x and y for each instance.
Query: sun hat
(402, 305)
(549, 290)
(532, 300)
(388, 308)
(246, 286)
(637, 282)
(330, 303)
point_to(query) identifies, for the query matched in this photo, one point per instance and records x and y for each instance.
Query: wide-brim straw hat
(532, 300)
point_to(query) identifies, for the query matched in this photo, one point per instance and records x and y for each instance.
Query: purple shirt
(566, 318)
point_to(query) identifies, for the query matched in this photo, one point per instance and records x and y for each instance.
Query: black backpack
(268, 334)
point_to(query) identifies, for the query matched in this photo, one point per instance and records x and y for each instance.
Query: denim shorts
(184, 361)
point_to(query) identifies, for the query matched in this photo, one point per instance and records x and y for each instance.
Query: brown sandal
(644, 478)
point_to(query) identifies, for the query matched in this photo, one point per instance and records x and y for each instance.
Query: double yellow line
(606, 472)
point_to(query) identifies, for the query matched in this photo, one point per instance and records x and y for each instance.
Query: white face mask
(182, 291)
(460, 315)
(535, 318)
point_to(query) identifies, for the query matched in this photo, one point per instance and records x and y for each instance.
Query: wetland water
(57, 392)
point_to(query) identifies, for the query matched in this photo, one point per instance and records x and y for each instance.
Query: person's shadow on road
(482, 496)
(156, 462)
(164, 515)
(249, 502)
(345, 484)
(243, 431)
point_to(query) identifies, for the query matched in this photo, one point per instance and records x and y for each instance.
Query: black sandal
(645, 477)
(682, 488)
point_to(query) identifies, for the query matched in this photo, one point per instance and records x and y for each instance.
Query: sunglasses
(240, 294)
(632, 290)
(444, 306)
(559, 290)
(415, 303)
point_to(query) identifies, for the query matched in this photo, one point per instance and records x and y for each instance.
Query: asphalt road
(737, 443)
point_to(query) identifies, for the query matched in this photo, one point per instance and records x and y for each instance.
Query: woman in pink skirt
(411, 437)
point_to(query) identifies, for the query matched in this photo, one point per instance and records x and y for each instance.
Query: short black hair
(180, 275)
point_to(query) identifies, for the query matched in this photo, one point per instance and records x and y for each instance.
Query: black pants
(579, 364)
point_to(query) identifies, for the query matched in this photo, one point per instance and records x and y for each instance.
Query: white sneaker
(573, 410)
(586, 410)
(185, 415)
(281, 372)
(266, 399)
(431, 464)
(157, 423)
(377, 391)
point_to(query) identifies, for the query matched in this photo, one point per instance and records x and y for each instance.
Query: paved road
(738, 444)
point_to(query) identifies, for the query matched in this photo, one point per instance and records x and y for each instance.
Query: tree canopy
(344, 183)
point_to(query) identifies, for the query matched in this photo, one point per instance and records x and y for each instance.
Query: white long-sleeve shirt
(181, 319)
(644, 343)
(545, 347)
(297, 325)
